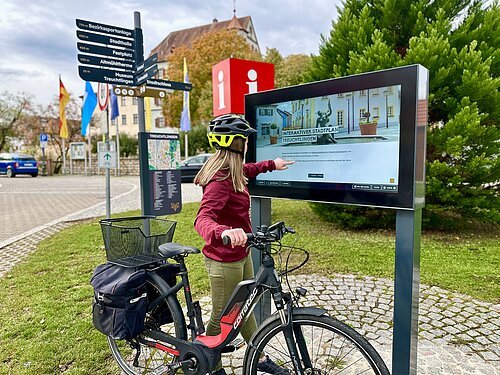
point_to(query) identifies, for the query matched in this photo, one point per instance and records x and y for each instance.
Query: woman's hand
(237, 235)
(282, 164)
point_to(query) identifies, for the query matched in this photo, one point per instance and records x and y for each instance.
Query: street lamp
(387, 92)
(43, 144)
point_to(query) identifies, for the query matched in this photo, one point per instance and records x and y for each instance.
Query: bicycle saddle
(169, 250)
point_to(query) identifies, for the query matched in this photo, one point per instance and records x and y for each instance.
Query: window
(160, 122)
(362, 113)
(124, 119)
(340, 119)
(136, 118)
(375, 112)
(158, 102)
(124, 100)
(374, 91)
(113, 122)
(265, 112)
(390, 111)
(340, 96)
(134, 100)
(362, 93)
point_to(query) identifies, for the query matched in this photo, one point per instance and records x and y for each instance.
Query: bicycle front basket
(134, 241)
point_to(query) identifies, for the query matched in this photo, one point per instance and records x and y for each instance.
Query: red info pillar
(233, 78)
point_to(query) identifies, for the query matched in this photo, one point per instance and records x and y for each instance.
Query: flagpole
(64, 155)
(90, 150)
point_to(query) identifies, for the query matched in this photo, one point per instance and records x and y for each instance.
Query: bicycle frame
(206, 350)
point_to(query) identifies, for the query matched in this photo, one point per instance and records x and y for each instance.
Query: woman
(224, 211)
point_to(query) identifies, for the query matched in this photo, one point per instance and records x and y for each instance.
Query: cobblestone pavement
(457, 334)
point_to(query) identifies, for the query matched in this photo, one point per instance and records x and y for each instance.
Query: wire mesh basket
(134, 241)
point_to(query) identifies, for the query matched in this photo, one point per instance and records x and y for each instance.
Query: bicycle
(301, 340)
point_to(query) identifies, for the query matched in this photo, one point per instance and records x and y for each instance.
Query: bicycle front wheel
(325, 346)
(132, 356)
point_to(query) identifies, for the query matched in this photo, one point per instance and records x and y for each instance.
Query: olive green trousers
(224, 276)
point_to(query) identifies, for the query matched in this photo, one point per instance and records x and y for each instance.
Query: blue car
(13, 164)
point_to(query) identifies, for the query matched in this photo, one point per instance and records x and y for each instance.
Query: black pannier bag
(120, 300)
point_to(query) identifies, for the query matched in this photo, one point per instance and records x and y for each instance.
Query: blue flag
(185, 117)
(89, 104)
(115, 112)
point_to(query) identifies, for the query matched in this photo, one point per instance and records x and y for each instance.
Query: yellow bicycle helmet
(223, 129)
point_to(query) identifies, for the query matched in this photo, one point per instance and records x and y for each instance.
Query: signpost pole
(139, 56)
(108, 182)
(406, 291)
(261, 215)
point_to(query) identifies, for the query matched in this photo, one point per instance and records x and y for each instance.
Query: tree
(206, 51)
(13, 107)
(463, 163)
(290, 70)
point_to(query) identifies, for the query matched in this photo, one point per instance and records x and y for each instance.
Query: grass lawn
(45, 302)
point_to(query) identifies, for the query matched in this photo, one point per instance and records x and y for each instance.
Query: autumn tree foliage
(290, 70)
(206, 51)
(456, 40)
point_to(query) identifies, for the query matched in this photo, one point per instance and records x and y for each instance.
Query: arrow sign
(107, 156)
(150, 61)
(88, 73)
(98, 50)
(105, 29)
(105, 61)
(104, 39)
(152, 93)
(143, 76)
(163, 84)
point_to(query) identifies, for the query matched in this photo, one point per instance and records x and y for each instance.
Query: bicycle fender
(315, 311)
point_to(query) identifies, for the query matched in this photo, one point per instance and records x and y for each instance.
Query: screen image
(347, 141)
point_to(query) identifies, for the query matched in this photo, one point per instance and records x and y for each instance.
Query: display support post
(108, 176)
(139, 59)
(406, 291)
(260, 215)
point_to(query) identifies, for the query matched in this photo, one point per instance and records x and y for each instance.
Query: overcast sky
(38, 38)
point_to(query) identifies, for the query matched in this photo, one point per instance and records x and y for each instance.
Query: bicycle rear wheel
(326, 346)
(134, 357)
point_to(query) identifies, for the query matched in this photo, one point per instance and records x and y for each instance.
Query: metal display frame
(409, 208)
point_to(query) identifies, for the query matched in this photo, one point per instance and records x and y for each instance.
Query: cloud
(38, 39)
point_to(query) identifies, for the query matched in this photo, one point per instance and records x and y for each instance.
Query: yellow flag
(147, 110)
(63, 100)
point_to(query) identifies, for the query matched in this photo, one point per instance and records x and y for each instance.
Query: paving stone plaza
(457, 334)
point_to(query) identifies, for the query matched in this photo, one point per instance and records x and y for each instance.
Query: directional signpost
(115, 55)
(44, 140)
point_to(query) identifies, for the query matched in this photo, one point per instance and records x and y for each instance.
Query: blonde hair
(224, 160)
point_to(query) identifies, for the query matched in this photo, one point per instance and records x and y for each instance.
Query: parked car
(191, 166)
(13, 164)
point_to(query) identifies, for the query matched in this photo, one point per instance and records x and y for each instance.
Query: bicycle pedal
(234, 345)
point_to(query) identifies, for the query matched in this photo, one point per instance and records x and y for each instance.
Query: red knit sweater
(223, 208)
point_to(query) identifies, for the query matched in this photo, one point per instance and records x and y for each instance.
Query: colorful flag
(185, 117)
(89, 104)
(147, 113)
(115, 112)
(63, 100)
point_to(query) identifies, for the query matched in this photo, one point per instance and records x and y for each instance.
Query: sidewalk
(457, 334)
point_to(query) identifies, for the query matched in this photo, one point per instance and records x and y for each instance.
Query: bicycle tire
(151, 360)
(334, 348)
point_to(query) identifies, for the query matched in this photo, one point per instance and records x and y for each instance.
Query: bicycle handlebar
(264, 234)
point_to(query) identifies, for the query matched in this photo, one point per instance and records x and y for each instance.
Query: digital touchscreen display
(345, 141)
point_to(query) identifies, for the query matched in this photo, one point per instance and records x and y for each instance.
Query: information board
(353, 139)
(162, 165)
(77, 150)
